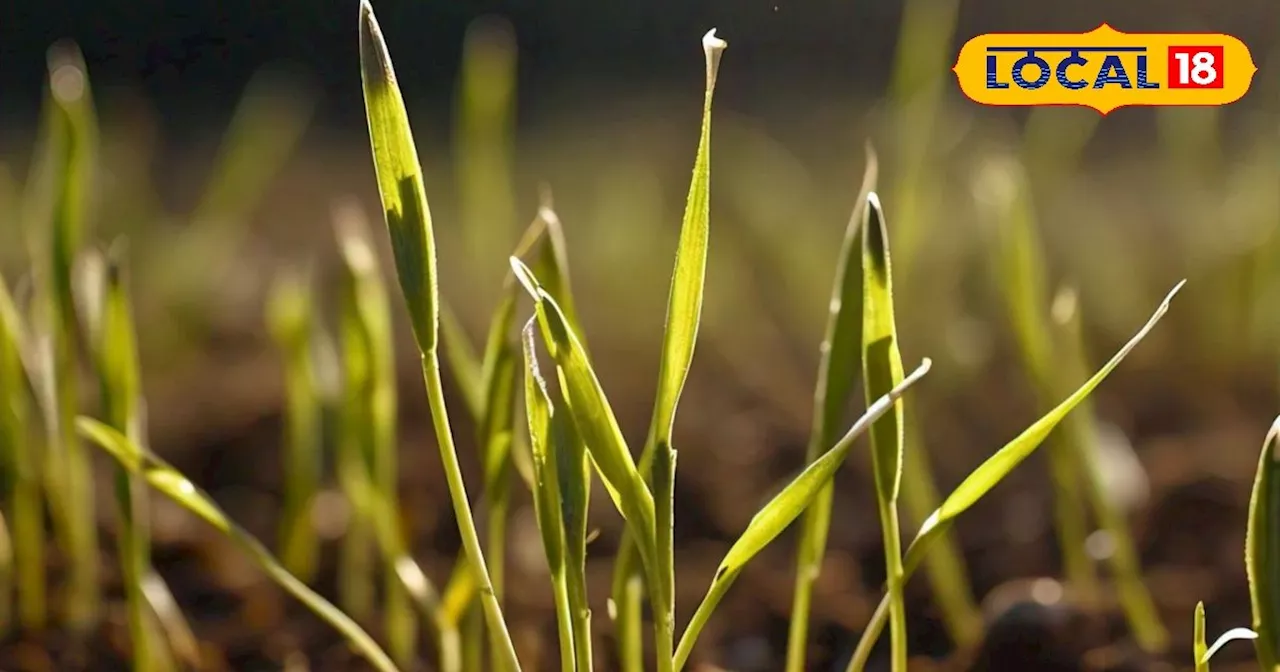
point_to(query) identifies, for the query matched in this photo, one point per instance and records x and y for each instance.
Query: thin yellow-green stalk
(22, 460)
(72, 139)
(290, 320)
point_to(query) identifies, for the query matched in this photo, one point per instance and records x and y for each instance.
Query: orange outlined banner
(1104, 69)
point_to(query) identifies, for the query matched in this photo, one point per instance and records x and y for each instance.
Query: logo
(1104, 69)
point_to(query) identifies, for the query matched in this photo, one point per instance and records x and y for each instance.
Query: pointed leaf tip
(875, 235)
(526, 278)
(374, 60)
(712, 47)
(712, 43)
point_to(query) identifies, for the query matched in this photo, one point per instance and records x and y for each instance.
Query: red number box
(1195, 67)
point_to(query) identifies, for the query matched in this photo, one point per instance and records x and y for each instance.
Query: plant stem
(1071, 520)
(298, 540)
(897, 607)
(813, 535)
(462, 511)
(664, 473)
(29, 539)
(870, 634)
(83, 600)
(564, 624)
(27, 525)
(628, 587)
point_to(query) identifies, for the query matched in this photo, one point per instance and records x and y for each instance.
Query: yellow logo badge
(1104, 69)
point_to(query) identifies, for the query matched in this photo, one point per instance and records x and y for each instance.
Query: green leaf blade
(881, 359)
(546, 496)
(839, 368)
(999, 465)
(177, 487)
(400, 183)
(684, 302)
(1262, 551)
(784, 508)
(592, 415)
(882, 371)
(992, 471)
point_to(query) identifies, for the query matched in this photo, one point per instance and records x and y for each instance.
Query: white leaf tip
(524, 276)
(1227, 637)
(711, 43)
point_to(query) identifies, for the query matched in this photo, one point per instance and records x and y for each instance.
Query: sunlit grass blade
(546, 495)
(21, 458)
(882, 370)
(408, 219)
(1079, 430)
(783, 509)
(1021, 274)
(989, 474)
(594, 418)
(566, 474)
(592, 413)
(839, 366)
(658, 458)
(71, 153)
(684, 312)
(177, 487)
(1262, 551)
(290, 320)
(368, 344)
(115, 347)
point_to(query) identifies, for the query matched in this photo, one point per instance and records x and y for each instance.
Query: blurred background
(230, 130)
